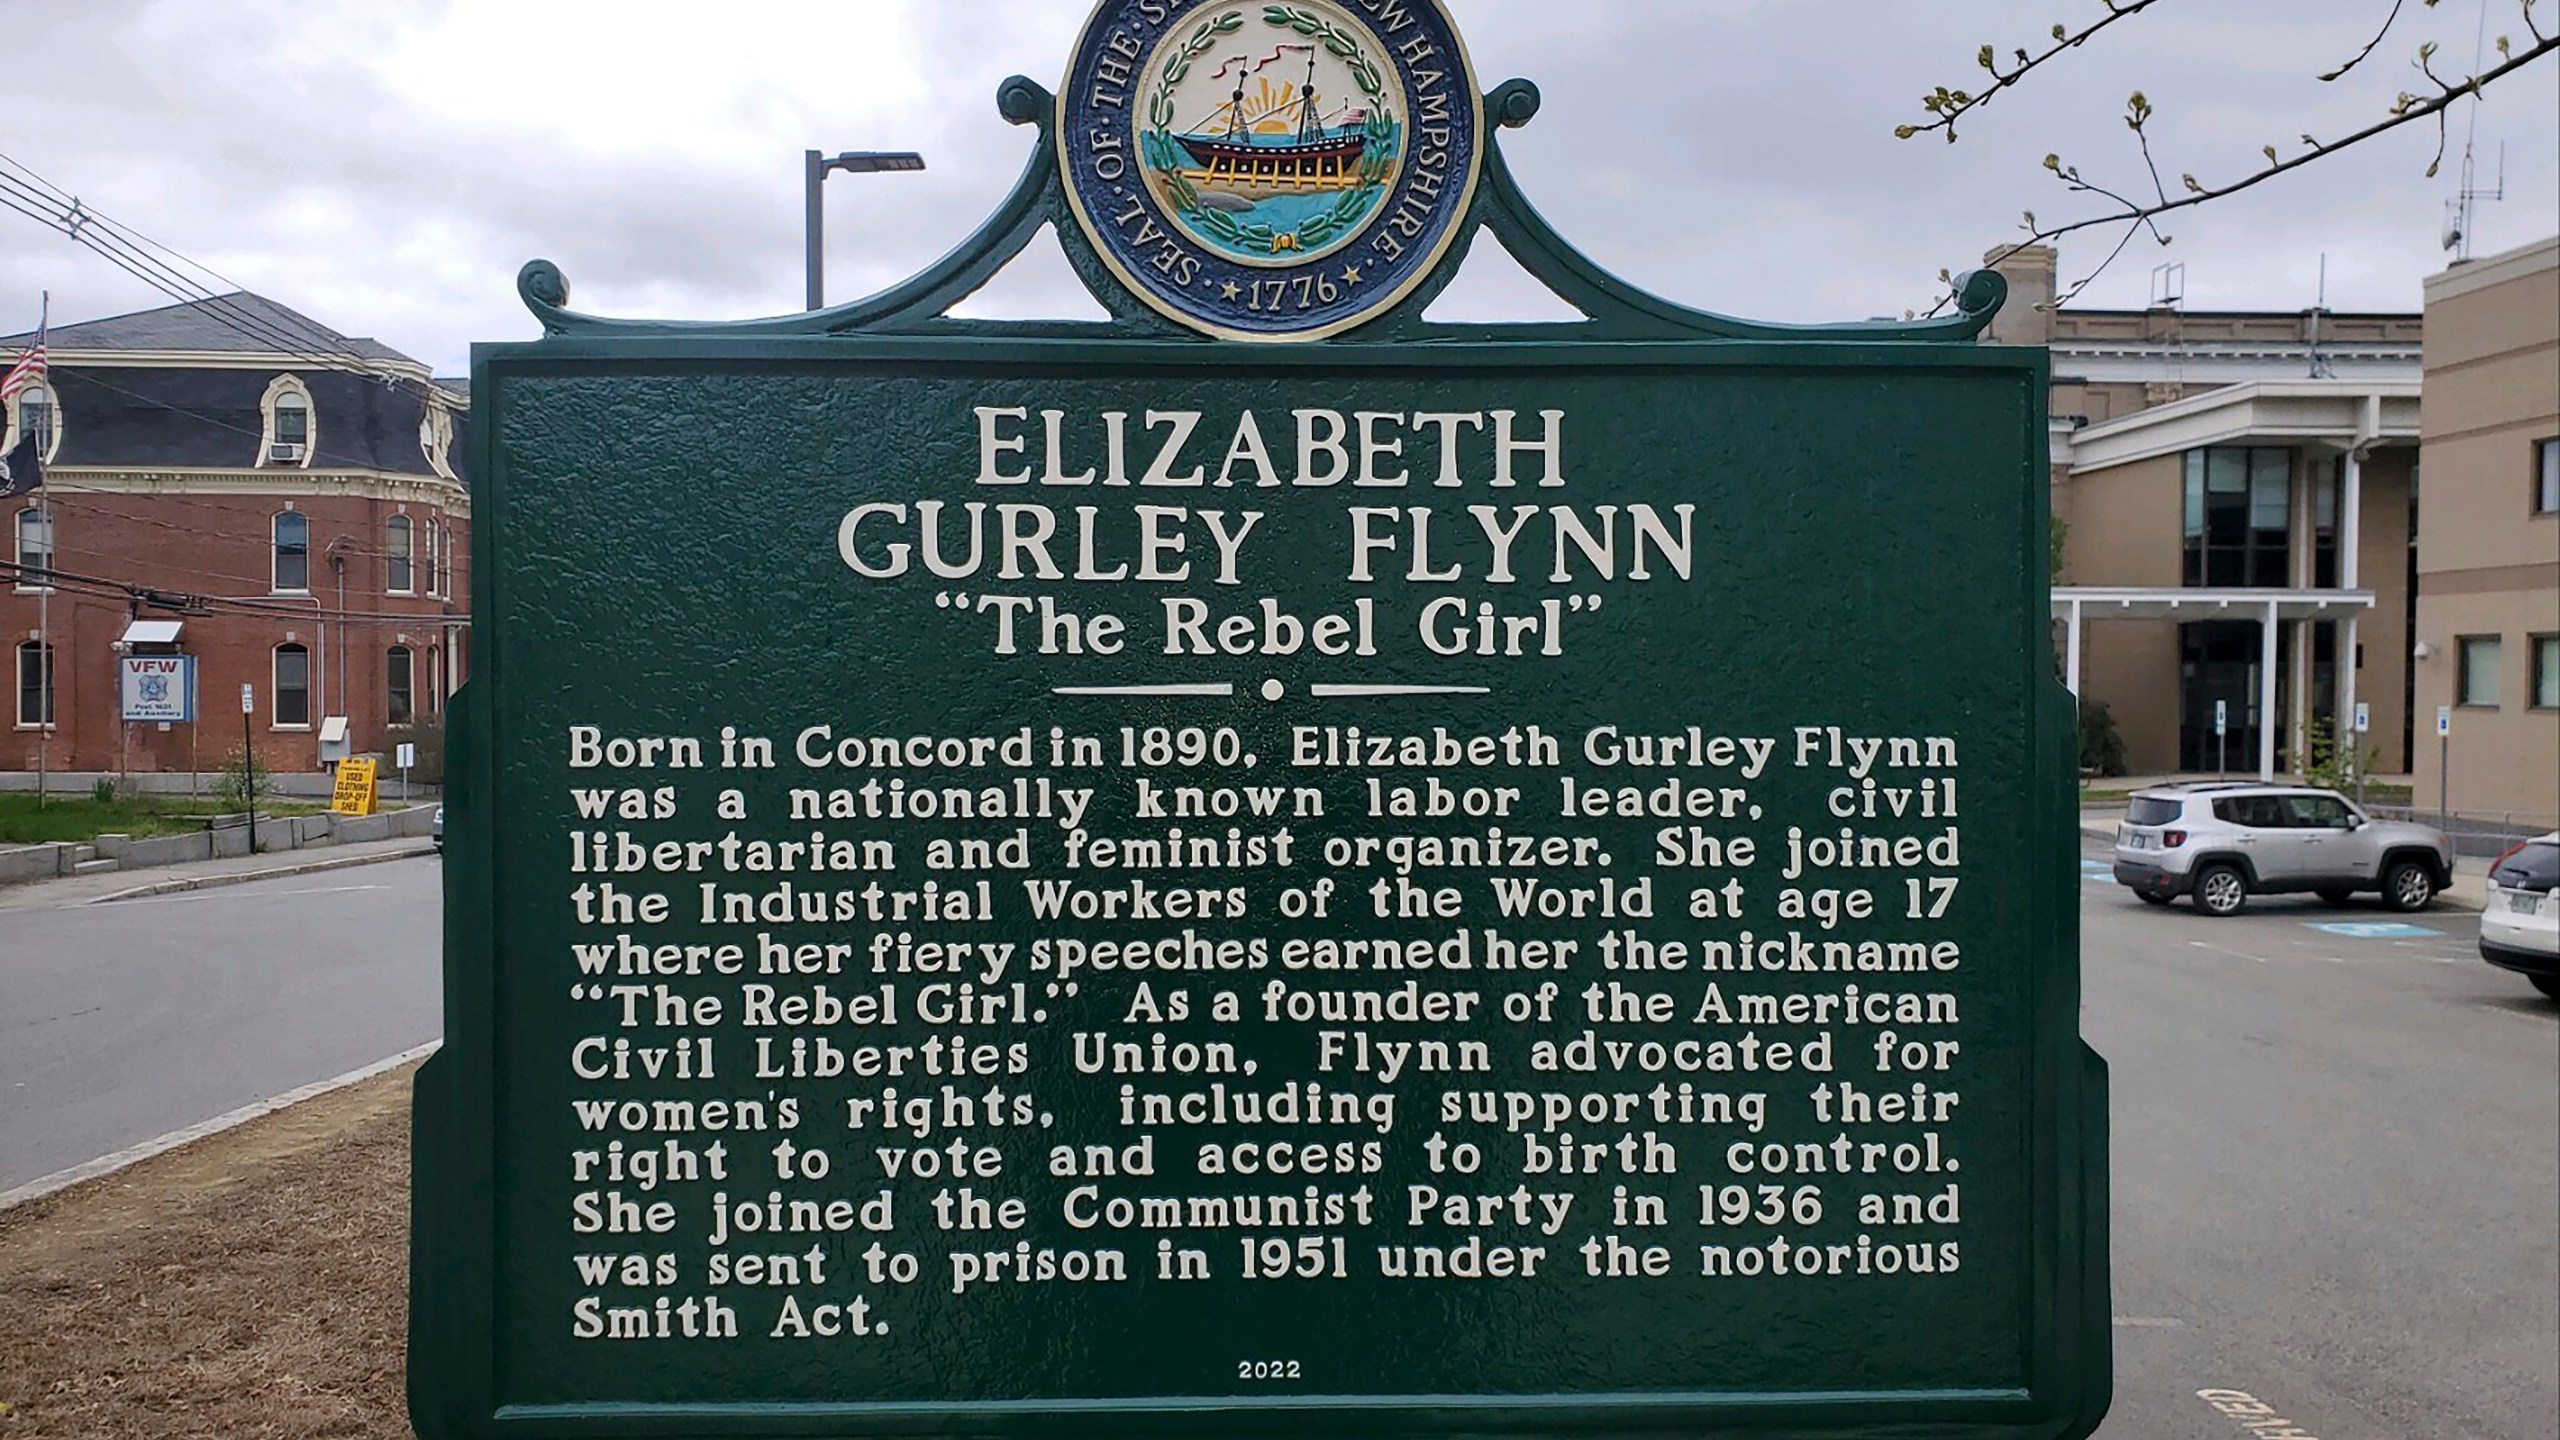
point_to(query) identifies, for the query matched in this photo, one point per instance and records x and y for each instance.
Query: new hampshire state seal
(1271, 172)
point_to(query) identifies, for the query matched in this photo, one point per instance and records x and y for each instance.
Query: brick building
(232, 481)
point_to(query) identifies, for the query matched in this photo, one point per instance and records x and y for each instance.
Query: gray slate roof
(237, 323)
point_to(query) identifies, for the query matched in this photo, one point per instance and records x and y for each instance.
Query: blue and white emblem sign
(1271, 171)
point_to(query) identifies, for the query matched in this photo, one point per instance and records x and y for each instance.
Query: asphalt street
(2336, 1150)
(125, 1021)
(2337, 1172)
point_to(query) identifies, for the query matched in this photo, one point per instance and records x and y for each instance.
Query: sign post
(406, 755)
(249, 760)
(2364, 727)
(1268, 868)
(2444, 768)
(2222, 737)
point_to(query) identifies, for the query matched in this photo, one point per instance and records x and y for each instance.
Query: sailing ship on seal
(1308, 154)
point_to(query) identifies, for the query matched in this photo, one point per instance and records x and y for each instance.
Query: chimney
(2031, 275)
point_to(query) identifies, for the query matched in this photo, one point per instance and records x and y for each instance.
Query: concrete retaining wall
(298, 832)
(295, 785)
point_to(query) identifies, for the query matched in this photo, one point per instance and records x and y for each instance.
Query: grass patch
(77, 817)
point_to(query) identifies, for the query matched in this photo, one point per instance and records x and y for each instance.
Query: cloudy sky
(386, 168)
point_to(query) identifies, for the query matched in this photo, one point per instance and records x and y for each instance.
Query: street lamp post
(820, 166)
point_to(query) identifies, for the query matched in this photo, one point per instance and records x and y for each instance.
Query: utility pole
(818, 167)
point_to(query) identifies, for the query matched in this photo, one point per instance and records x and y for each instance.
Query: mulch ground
(253, 1285)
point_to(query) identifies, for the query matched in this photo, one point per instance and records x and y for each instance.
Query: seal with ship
(1269, 170)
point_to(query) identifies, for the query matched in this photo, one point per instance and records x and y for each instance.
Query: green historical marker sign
(1268, 867)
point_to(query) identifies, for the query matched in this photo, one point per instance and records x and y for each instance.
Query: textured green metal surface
(657, 555)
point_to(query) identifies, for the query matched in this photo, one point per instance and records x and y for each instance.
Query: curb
(105, 1165)
(243, 877)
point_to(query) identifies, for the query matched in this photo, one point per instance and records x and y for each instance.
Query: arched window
(290, 428)
(401, 669)
(35, 548)
(35, 685)
(293, 553)
(293, 687)
(36, 412)
(397, 542)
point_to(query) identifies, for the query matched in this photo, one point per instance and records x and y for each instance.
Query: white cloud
(387, 169)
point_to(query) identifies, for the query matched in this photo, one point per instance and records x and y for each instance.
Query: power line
(141, 596)
(138, 255)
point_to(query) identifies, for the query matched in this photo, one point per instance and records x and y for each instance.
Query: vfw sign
(158, 688)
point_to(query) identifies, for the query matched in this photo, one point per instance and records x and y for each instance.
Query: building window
(35, 549)
(435, 439)
(2478, 682)
(35, 685)
(2239, 520)
(2546, 672)
(2546, 477)
(293, 553)
(36, 413)
(397, 539)
(402, 669)
(435, 558)
(290, 426)
(293, 688)
(2324, 528)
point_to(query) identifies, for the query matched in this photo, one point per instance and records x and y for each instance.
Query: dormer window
(435, 439)
(289, 431)
(35, 413)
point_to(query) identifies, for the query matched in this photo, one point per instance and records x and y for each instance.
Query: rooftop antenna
(2169, 286)
(2320, 368)
(2461, 211)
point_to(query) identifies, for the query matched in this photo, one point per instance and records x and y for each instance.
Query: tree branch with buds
(2137, 216)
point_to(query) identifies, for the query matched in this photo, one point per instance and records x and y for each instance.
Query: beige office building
(2238, 492)
(2488, 629)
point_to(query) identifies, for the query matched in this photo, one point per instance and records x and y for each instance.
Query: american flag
(28, 371)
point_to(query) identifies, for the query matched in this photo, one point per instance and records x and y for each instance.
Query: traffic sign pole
(249, 761)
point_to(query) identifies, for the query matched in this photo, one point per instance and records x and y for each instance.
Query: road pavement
(125, 1021)
(2337, 1173)
(2336, 1151)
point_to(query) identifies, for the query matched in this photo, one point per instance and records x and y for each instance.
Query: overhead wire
(131, 251)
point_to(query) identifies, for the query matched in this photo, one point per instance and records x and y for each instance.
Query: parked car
(2225, 842)
(2520, 928)
(438, 824)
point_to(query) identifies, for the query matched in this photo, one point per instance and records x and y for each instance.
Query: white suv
(2223, 843)
(2520, 928)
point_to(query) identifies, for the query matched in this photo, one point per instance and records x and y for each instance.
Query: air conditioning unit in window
(287, 454)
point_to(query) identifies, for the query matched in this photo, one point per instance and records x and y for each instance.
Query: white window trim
(17, 688)
(53, 400)
(275, 686)
(18, 545)
(309, 550)
(277, 389)
(401, 518)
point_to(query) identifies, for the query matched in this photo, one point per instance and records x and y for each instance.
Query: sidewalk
(204, 874)
(2469, 890)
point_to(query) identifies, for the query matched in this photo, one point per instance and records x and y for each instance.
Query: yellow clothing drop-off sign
(355, 792)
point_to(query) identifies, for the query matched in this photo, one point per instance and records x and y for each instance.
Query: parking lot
(2336, 1135)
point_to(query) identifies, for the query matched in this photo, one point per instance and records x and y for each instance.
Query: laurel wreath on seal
(1374, 160)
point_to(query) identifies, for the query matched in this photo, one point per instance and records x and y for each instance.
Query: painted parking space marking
(2253, 1416)
(2096, 872)
(2376, 930)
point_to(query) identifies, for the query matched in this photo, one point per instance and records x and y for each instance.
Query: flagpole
(44, 593)
(48, 672)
